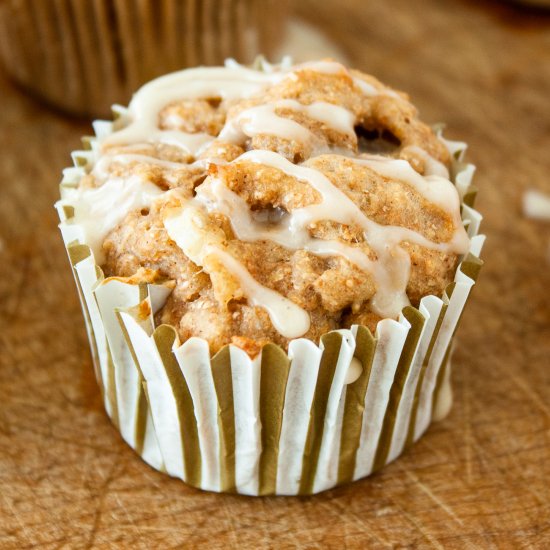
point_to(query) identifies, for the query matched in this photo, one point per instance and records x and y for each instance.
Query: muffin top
(276, 203)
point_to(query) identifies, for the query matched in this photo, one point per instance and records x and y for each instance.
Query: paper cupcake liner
(282, 423)
(84, 55)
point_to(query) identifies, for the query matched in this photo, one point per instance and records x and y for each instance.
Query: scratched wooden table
(479, 479)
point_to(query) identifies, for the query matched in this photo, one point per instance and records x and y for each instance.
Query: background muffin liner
(84, 55)
(281, 423)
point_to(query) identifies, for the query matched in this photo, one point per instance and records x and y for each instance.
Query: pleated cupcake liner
(281, 423)
(82, 55)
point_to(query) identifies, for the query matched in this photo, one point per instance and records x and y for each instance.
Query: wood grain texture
(479, 479)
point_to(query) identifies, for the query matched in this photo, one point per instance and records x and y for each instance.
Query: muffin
(272, 262)
(82, 56)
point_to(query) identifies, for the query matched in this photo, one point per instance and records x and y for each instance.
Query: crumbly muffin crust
(335, 135)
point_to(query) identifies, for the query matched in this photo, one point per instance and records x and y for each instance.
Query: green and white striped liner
(281, 423)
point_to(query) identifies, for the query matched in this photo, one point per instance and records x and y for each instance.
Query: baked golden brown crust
(207, 300)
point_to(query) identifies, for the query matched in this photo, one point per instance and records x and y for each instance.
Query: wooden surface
(479, 479)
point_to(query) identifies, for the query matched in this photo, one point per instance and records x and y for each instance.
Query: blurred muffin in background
(84, 55)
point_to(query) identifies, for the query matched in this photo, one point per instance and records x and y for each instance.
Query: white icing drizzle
(193, 144)
(324, 67)
(434, 187)
(263, 119)
(335, 117)
(366, 88)
(224, 82)
(354, 371)
(98, 210)
(432, 167)
(391, 267)
(289, 319)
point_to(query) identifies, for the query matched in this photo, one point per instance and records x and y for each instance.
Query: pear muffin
(272, 262)
(274, 205)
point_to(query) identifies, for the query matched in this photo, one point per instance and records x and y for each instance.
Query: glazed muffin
(287, 246)
(307, 200)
